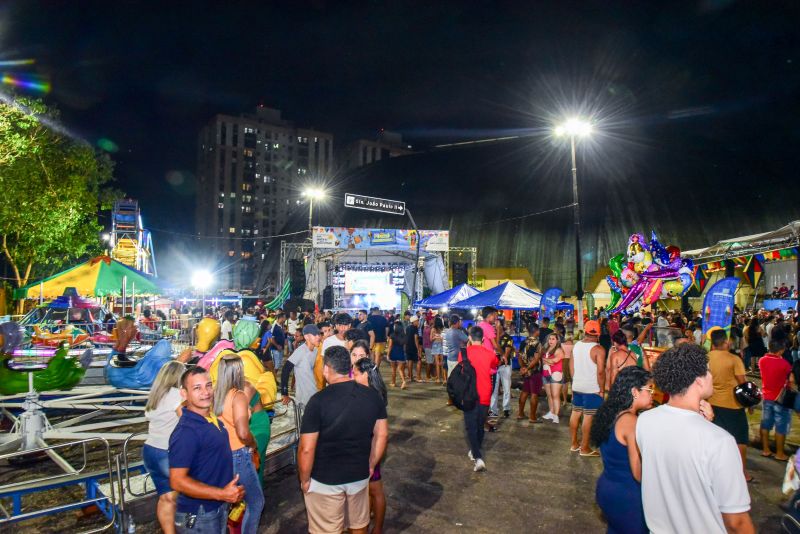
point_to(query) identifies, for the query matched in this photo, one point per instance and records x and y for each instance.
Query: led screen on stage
(367, 282)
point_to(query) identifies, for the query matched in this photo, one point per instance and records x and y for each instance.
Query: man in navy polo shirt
(200, 461)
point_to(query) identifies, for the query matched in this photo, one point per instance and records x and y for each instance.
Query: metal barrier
(126, 470)
(17, 490)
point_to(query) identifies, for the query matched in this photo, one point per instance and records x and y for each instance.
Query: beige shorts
(332, 514)
(379, 349)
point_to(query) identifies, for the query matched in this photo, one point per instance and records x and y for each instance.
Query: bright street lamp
(202, 280)
(573, 128)
(312, 193)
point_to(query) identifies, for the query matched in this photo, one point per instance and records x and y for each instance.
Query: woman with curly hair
(619, 490)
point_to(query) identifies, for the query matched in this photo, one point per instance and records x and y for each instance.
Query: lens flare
(32, 83)
(16, 62)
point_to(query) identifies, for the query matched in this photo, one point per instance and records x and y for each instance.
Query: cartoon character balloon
(652, 272)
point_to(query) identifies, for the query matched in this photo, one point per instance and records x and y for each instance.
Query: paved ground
(533, 482)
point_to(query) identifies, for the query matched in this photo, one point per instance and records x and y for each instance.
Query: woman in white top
(162, 412)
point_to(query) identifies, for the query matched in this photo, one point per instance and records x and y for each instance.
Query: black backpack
(462, 384)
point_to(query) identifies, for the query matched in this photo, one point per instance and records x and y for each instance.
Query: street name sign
(395, 207)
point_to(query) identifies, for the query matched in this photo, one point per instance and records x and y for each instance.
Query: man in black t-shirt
(544, 331)
(413, 348)
(380, 327)
(337, 454)
(362, 323)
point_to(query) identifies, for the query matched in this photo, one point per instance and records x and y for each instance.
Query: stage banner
(547, 307)
(783, 305)
(366, 238)
(718, 305)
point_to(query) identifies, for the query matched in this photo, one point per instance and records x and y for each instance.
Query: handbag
(787, 396)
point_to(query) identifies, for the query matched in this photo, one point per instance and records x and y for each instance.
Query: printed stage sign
(366, 238)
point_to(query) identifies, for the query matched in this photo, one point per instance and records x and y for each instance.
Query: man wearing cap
(302, 363)
(587, 368)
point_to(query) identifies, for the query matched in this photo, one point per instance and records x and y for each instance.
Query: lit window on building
(231, 253)
(233, 195)
(221, 205)
(232, 230)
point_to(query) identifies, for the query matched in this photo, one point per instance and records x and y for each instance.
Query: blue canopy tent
(446, 298)
(506, 296)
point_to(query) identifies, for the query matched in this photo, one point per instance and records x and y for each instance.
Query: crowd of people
(330, 364)
(202, 448)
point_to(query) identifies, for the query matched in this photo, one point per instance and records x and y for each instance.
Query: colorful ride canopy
(97, 277)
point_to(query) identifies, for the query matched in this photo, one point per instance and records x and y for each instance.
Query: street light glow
(574, 127)
(201, 279)
(314, 193)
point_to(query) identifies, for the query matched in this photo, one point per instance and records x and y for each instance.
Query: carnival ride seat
(143, 371)
(46, 373)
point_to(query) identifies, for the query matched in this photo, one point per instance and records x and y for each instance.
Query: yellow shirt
(724, 368)
(212, 418)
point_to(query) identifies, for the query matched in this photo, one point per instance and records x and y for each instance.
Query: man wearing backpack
(484, 361)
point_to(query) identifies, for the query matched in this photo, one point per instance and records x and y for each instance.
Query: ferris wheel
(131, 244)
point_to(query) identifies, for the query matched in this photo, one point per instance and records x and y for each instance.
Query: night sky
(149, 75)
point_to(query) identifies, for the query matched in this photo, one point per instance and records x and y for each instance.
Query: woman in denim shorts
(162, 413)
(553, 375)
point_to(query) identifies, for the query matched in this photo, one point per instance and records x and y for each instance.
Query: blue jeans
(254, 494)
(214, 522)
(504, 379)
(156, 461)
(277, 357)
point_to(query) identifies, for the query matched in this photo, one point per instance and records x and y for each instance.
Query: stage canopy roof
(446, 298)
(97, 277)
(785, 237)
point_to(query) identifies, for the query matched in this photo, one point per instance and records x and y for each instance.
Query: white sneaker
(479, 465)
(469, 454)
(548, 415)
(554, 419)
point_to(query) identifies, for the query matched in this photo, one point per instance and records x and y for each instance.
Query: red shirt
(485, 363)
(774, 372)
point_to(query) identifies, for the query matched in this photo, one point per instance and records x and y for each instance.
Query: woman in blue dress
(619, 490)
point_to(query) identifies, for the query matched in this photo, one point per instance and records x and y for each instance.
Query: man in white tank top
(587, 368)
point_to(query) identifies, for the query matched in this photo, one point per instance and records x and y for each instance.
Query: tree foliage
(51, 189)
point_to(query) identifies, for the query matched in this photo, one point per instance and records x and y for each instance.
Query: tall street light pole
(311, 194)
(575, 128)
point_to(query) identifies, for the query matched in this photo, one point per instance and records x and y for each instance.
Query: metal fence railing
(17, 490)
